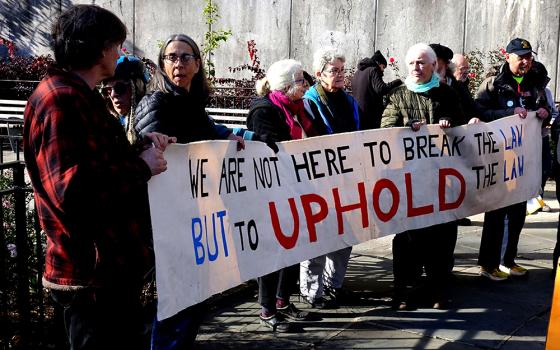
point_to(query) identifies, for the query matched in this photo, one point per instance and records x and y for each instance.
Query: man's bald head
(461, 67)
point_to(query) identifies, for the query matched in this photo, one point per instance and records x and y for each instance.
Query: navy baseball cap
(519, 47)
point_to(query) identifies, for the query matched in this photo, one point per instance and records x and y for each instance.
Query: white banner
(221, 217)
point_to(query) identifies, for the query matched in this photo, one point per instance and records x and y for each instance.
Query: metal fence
(27, 315)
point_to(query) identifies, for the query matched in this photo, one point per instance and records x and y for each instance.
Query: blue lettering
(221, 215)
(211, 257)
(520, 163)
(513, 138)
(198, 246)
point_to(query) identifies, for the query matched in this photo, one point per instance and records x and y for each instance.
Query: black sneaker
(275, 323)
(293, 313)
(321, 303)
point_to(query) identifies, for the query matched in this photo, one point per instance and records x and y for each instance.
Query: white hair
(324, 56)
(279, 76)
(417, 49)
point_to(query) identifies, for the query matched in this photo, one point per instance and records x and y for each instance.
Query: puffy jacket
(498, 96)
(177, 113)
(439, 103)
(368, 88)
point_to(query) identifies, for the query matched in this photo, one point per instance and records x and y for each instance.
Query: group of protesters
(90, 155)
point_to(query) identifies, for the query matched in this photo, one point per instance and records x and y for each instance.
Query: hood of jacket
(368, 62)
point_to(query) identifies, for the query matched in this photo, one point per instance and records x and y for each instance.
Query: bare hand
(154, 158)
(474, 120)
(542, 113)
(239, 139)
(415, 126)
(159, 141)
(522, 112)
(444, 124)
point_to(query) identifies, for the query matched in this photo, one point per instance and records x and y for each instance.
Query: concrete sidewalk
(485, 315)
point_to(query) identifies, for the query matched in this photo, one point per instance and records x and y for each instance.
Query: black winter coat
(269, 122)
(497, 96)
(176, 113)
(368, 88)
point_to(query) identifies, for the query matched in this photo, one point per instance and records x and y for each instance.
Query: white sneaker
(515, 270)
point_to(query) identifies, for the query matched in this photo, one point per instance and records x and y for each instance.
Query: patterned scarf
(291, 109)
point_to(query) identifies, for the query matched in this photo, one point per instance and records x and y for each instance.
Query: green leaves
(212, 38)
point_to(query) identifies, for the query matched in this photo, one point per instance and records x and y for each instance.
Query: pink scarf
(290, 109)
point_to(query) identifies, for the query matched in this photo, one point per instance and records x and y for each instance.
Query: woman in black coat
(279, 115)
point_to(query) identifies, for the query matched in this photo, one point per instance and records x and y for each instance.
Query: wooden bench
(11, 119)
(231, 118)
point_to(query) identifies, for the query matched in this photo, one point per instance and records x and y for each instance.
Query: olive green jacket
(439, 103)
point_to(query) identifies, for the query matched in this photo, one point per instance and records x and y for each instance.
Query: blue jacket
(326, 111)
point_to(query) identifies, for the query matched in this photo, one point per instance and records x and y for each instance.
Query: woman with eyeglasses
(279, 115)
(179, 93)
(124, 90)
(176, 106)
(328, 102)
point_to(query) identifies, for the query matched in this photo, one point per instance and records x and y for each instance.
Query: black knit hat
(442, 52)
(378, 58)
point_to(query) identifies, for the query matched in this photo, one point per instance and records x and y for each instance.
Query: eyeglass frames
(184, 58)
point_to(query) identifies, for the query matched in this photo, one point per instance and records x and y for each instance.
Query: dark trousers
(279, 284)
(431, 250)
(179, 331)
(493, 233)
(102, 319)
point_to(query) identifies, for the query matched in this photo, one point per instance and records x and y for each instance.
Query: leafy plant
(212, 38)
(481, 65)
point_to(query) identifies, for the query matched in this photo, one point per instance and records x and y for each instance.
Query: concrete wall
(295, 29)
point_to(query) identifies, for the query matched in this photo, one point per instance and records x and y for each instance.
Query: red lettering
(412, 211)
(443, 173)
(311, 218)
(287, 242)
(362, 205)
(380, 186)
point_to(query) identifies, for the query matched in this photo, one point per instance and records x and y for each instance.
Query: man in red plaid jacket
(90, 185)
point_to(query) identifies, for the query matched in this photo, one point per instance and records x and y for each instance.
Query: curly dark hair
(82, 32)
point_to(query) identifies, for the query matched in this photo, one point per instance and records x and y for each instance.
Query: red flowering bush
(481, 63)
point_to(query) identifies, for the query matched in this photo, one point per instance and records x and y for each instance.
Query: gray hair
(417, 49)
(280, 76)
(324, 56)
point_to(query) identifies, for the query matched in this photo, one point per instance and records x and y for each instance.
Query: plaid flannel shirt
(90, 187)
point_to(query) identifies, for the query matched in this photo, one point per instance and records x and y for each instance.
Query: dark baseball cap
(519, 47)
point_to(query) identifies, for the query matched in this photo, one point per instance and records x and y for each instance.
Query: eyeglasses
(335, 71)
(119, 88)
(299, 81)
(184, 58)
